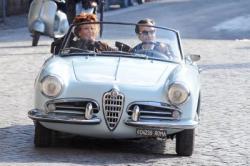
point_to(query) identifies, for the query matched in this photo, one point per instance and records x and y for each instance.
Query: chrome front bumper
(181, 124)
(39, 115)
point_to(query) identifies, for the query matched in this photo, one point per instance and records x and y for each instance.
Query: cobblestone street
(222, 137)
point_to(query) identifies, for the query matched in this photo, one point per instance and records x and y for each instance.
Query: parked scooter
(46, 18)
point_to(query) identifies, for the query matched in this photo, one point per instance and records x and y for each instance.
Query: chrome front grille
(71, 106)
(153, 111)
(113, 102)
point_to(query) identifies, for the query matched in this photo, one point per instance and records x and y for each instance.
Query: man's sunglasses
(147, 32)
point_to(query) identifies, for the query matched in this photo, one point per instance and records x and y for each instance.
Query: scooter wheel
(35, 36)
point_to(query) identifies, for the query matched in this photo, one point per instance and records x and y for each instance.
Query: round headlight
(177, 94)
(51, 86)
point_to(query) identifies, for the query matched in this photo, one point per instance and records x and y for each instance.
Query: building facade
(13, 7)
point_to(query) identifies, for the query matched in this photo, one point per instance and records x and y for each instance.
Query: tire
(43, 137)
(124, 3)
(141, 1)
(185, 142)
(35, 38)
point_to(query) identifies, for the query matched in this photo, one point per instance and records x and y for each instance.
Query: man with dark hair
(146, 32)
(146, 21)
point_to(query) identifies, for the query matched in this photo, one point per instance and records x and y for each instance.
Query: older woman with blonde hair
(87, 31)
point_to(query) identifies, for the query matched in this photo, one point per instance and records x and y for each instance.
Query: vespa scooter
(45, 18)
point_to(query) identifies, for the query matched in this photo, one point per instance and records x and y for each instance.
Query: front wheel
(35, 38)
(185, 142)
(44, 137)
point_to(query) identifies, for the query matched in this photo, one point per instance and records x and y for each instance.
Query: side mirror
(195, 57)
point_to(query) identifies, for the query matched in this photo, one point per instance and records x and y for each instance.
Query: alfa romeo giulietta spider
(120, 93)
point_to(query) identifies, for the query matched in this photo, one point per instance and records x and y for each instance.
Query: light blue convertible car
(121, 93)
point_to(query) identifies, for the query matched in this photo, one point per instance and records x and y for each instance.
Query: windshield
(122, 39)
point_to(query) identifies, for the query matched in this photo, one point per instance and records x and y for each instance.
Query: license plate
(151, 132)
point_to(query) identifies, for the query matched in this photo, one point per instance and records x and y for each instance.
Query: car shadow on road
(17, 147)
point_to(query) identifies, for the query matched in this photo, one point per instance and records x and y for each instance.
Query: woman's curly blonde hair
(85, 18)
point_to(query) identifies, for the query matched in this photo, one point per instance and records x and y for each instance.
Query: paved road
(223, 135)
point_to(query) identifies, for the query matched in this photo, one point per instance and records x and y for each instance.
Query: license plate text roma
(151, 132)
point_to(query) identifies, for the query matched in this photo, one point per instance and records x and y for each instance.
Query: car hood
(129, 71)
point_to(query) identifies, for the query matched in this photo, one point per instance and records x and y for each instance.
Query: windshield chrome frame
(66, 38)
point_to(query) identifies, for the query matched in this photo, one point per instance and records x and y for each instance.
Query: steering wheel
(152, 54)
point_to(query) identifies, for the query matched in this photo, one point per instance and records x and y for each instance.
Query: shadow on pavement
(17, 147)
